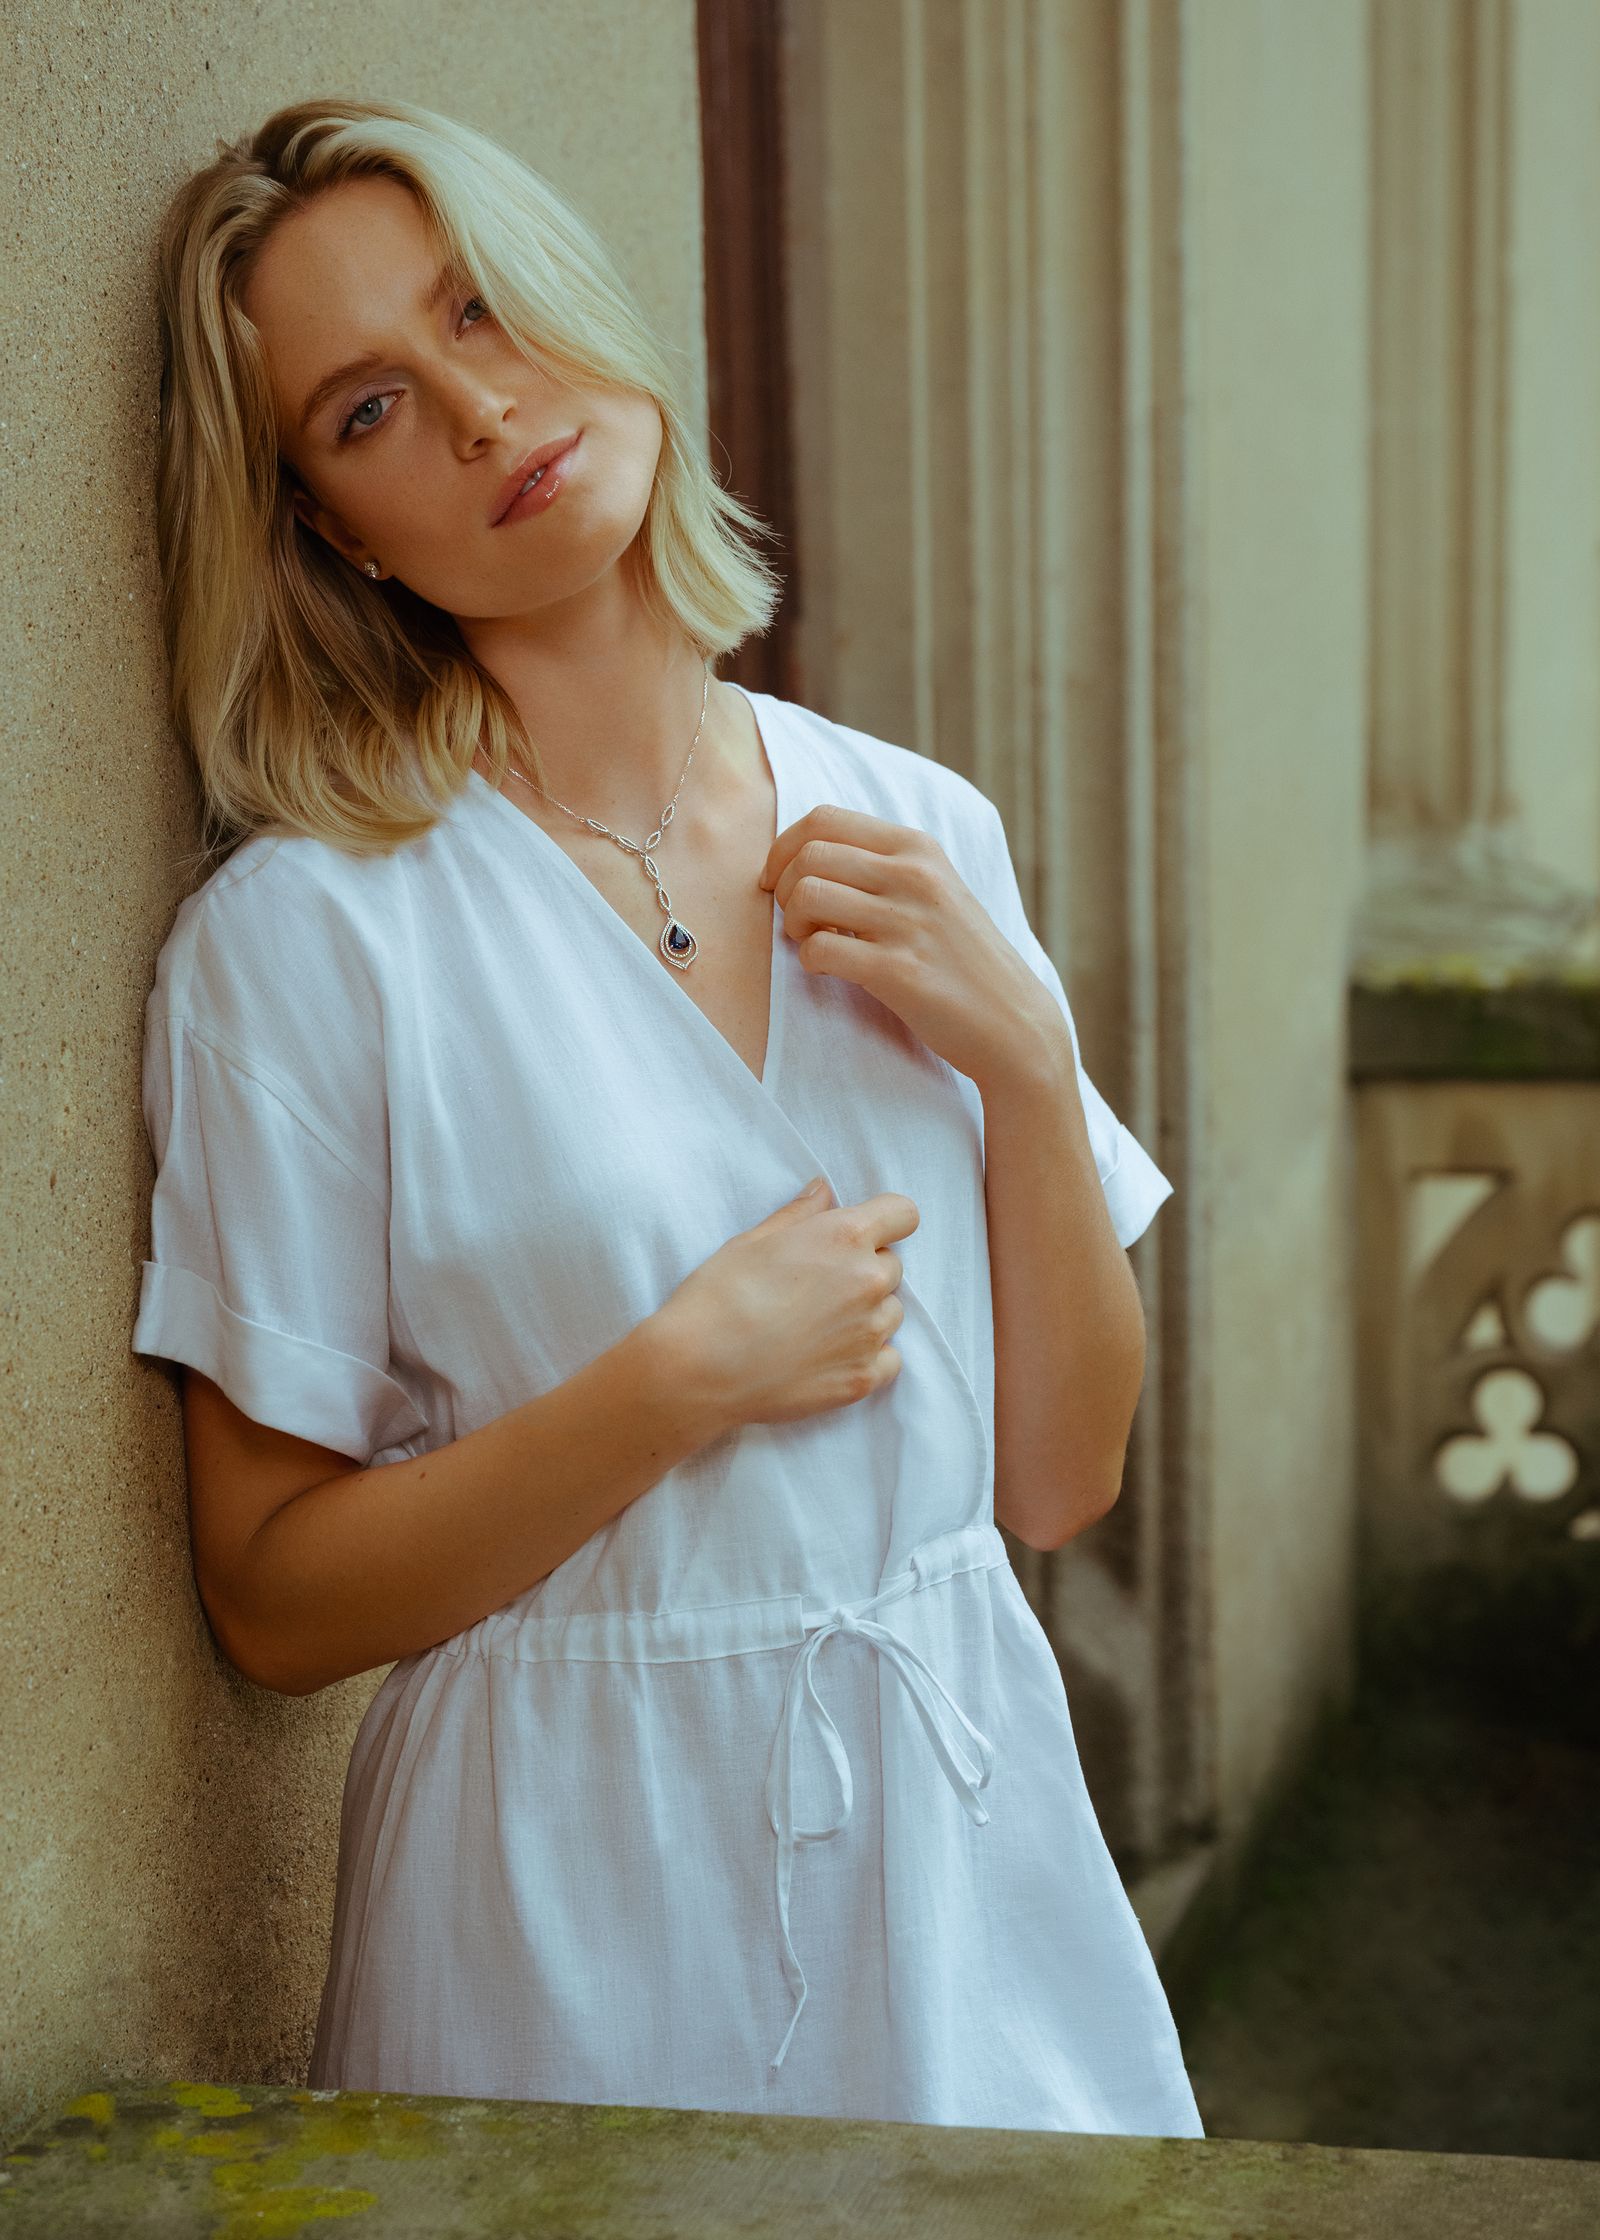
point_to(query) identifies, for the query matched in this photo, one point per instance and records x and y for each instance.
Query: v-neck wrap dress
(767, 1798)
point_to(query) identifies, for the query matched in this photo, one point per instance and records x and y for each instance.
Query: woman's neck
(612, 711)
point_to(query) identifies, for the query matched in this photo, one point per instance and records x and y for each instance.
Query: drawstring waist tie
(934, 1706)
(729, 1629)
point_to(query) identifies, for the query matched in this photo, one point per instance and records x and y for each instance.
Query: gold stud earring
(372, 567)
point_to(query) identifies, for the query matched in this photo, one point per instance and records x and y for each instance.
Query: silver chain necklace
(677, 944)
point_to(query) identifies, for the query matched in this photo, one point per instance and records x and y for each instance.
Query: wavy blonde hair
(313, 699)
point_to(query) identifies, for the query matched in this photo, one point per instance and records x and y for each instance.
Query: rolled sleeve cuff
(1134, 1186)
(288, 1383)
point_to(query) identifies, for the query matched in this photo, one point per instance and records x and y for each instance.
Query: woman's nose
(477, 405)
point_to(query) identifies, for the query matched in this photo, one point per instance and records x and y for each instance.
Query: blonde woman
(537, 978)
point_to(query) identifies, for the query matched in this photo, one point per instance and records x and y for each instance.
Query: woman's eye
(350, 421)
(352, 425)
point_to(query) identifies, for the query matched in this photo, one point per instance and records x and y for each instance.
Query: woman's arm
(313, 1568)
(311, 1580)
(880, 904)
(1068, 1321)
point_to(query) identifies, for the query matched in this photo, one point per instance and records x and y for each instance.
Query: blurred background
(1180, 416)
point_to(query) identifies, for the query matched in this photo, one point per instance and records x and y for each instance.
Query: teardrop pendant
(678, 944)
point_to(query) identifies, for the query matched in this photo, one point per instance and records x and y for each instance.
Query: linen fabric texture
(766, 1799)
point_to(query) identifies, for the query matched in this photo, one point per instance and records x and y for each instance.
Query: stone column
(1458, 351)
(989, 296)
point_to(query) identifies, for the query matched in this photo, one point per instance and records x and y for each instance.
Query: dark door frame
(747, 352)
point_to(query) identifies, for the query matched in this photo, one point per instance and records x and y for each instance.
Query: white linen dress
(767, 1798)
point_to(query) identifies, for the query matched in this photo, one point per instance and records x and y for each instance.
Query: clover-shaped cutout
(1539, 1465)
(1486, 1331)
(1563, 1310)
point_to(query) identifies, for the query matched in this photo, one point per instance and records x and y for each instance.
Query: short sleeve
(269, 1250)
(1134, 1185)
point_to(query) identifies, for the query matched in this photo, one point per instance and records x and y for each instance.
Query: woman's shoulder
(275, 947)
(858, 769)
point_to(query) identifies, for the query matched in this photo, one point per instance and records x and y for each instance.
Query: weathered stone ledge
(184, 2160)
(1437, 1026)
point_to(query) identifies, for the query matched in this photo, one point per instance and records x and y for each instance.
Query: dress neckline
(769, 730)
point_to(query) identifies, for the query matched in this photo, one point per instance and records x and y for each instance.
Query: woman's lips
(534, 498)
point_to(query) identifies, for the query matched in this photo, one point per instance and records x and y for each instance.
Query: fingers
(837, 862)
(814, 904)
(854, 827)
(890, 1215)
(878, 1219)
(816, 1194)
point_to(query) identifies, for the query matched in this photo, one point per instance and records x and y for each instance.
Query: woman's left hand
(882, 905)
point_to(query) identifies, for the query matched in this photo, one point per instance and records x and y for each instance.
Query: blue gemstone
(677, 938)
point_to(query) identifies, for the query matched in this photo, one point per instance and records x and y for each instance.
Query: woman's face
(407, 457)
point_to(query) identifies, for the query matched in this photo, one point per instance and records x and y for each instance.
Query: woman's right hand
(793, 1316)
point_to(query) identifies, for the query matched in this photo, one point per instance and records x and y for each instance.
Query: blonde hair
(314, 700)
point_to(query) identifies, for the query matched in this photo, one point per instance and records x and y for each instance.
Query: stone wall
(168, 1832)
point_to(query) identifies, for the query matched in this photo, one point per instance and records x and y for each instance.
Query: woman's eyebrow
(347, 372)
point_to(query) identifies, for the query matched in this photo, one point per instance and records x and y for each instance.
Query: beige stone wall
(167, 1836)
(1278, 197)
(1082, 319)
(1552, 437)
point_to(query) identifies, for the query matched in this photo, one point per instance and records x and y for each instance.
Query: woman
(722, 1763)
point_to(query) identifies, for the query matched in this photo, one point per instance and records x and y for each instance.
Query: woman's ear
(327, 525)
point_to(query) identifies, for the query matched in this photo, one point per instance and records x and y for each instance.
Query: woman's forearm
(367, 1567)
(1068, 1322)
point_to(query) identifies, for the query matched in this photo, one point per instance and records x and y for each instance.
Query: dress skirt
(763, 1856)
